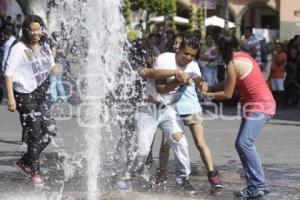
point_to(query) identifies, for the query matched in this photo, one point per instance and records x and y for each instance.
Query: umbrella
(217, 21)
(178, 20)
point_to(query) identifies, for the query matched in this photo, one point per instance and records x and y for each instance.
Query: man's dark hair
(26, 24)
(191, 41)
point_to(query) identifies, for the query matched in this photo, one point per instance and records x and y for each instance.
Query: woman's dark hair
(140, 53)
(26, 24)
(227, 44)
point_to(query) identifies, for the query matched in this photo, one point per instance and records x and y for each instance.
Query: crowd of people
(175, 70)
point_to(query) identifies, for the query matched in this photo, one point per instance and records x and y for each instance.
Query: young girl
(27, 80)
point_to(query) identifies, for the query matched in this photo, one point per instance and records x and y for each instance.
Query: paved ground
(63, 166)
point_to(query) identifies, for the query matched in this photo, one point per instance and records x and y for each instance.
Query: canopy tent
(217, 21)
(178, 20)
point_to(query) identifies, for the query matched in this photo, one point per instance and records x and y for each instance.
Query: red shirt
(255, 95)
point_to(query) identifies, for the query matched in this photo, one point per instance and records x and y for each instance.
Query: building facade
(282, 16)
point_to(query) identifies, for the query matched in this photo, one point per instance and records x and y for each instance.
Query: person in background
(168, 40)
(27, 82)
(209, 60)
(18, 25)
(153, 40)
(56, 86)
(243, 73)
(177, 40)
(251, 44)
(277, 74)
(9, 40)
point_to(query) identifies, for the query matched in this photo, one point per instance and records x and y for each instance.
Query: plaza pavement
(278, 146)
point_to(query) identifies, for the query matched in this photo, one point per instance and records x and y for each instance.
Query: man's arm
(163, 87)
(180, 75)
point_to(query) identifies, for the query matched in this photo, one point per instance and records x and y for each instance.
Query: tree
(127, 12)
(200, 21)
(160, 7)
(191, 24)
(171, 12)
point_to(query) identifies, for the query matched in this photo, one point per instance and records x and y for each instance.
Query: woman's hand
(55, 70)
(183, 77)
(11, 104)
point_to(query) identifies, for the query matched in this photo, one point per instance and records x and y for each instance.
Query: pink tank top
(255, 95)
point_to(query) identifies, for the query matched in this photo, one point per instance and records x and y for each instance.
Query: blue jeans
(245, 146)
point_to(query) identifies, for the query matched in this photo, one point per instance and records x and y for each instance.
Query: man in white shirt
(252, 45)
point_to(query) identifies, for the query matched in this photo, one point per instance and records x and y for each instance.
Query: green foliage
(200, 20)
(191, 24)
(127, 12)
(171, 11)
(160, 7)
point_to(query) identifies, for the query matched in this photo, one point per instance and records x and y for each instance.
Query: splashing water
(94, 33)
(99, 34)
(97, 30)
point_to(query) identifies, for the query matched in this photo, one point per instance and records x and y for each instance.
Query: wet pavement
(278, 146)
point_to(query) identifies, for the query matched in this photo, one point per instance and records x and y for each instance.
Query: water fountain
(98, 30)
(95, 32)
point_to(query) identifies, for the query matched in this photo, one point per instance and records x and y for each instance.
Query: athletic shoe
(251, 192)
(37, 181)
(186, 187)
(259, 192)
(215, 180)
(25, 169)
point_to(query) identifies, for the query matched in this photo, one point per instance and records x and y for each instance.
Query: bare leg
(198, 135)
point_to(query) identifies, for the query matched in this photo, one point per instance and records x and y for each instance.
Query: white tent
(217, 21)
(178, 20)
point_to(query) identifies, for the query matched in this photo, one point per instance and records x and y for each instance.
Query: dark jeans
(34, 109)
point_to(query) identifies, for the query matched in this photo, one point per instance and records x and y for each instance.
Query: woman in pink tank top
(244, 75)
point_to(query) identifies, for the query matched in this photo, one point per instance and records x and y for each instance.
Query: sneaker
(215, 180)
(161, 177)
(37, 181)
(251, 192)
(25, 169)
(187, 187)
(259, 192)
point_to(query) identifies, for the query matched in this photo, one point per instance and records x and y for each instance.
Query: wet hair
(26, 24)
(227, 44)
(140, 53)
(191, 41)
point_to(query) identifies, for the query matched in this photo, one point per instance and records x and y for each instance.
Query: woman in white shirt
(26, 76)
